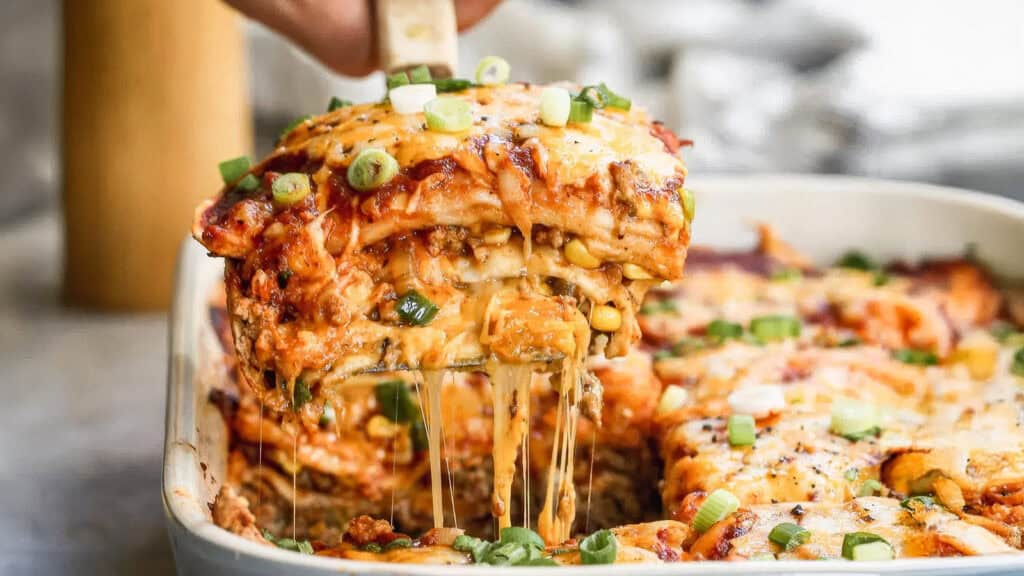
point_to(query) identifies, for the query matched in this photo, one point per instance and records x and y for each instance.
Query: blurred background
(929, 90)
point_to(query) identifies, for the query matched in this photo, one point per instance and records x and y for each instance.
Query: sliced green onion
(601, 96)
(295, 124)
(337, 103)
(411, 99)
(659, 307)
(916, 357)
(414, 308)
(448, 114)
(371, 169)
(397, 79)
(580, 112)
(1017, 367)
(248, 183)
(723, 330)
(475, 547)
(924, 484)
(870, 487)
(854, 420)
(741, 430)
(856, 260)
(715, 508)
(451, 84)
(328, 416)
(231, 171)
(916, 503)
(689, 203)
(599, 548)
(492, 70)
(851, 474)
(789, 535)
(873, 551)
(395, 402)
(300, 546)
(881, 279)
(397, 544)
(1002, 330)
(506, 554)
(787, 274)
(289, 189)
(554, 106)
(300, 395)
(770, 328)
(520, 535)
(855, 539)
(420, 75)
(542, 561)
(372, 547)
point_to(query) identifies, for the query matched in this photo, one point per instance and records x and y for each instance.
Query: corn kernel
(577, 253)
(381, 428)
(634, 272)
(497, 236)
(605, 318)
(979, 352)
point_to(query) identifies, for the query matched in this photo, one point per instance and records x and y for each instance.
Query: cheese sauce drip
(434, 380)
(511, 398)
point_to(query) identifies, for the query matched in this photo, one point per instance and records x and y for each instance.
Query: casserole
(822, 216)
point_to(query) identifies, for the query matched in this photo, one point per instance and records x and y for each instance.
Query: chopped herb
(916, 503)
(300, 395)
(398, 543)
(688, 346)
(300, 546)
(881, 279)
(659, 307)
(851, 474)
(1001, 330)
(870, 487)
(475, 547)
(519, 535)
(599, 548)
(789, 536)
(600, 96)
(232, 170)
(451, 84)
(372, 547)
(787, 274)
(295, 124)
(722, 330)
(397, 79)
(866, 546)
(420, 75)
(856, 260)
(516, 547)
(663, 354)
(248, 183)
(771, 328)
(916, 357)
(282, 278)
(414, 308)
(1017, 368)
(336, 103)
(873, 432)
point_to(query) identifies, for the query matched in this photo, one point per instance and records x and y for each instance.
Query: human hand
(340, 33)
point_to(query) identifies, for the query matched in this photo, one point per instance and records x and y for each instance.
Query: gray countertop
(82, 416)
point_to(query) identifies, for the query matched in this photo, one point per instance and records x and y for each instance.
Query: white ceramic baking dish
(823, 216)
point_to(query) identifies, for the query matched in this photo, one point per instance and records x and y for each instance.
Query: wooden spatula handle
(417, 32)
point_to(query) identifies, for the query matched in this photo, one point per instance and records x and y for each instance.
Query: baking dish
(823, 216)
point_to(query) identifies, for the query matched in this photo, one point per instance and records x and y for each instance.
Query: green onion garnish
(398, 543)
(723, 330)
(397, 79)
(451, 84)
(328, 416)
(295, 124)
(601, 96)
(915, 503)
(301, 546)
(870, 487)
(741, 430)
(1001, 330)
(419, 75)
(289, 189)
(599, 548)
(509, 554)
(787, 274)
(448, 114)
(492, 70)
(789, 535)
(248, 183)
(336, 103)
(715, 508)
(372, 168)
(414, 308)
(395, 402)
(924, 484)
(520, 535)
(475, 547)
(1017, 367)
(233, 170)
(372, 547)
(300, 395)
(659, 307)
(770, 328)
(554, 106)
(580, 112)
(866, 546)
(916, 357)
(856, 260)
(688, 202)
(854, 420)
(851, 474)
